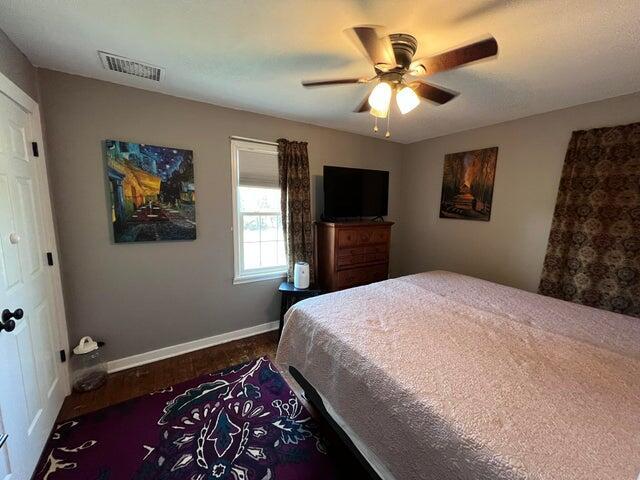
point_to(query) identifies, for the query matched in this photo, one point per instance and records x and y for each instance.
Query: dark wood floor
(148, 378)
(145, 379)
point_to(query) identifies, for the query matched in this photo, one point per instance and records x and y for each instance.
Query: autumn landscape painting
(153, 195)
(467, 184)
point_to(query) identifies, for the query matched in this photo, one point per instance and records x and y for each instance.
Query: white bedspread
(449, 377)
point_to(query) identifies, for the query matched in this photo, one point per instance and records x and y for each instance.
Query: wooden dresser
(352, 253)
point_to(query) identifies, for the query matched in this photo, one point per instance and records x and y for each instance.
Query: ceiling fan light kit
(407, 99)
(379, 113)
(380, 99)
(392, 60)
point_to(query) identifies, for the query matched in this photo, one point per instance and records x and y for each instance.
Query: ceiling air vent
(131, 67)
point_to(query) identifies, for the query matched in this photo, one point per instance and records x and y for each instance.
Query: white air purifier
(301, 275)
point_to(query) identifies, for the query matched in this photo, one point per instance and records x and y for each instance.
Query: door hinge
(63, 356)
(50, 258)
(34, 147)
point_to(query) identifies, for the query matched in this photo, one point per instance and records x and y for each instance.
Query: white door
(32, 386)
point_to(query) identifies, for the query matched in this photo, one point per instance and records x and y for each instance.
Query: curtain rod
(254, 140)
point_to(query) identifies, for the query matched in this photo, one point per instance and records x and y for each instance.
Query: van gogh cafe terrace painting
(152, 191)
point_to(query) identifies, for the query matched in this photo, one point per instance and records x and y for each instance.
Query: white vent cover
(131, 67)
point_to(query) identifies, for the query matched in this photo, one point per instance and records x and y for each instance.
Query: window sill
(258, 277)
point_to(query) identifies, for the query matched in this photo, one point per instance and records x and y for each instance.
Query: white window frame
(256, 274)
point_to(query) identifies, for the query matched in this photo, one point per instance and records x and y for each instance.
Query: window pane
(269, 254)
(256, 199)
(251, 255)
(269, 227)
(251, 228)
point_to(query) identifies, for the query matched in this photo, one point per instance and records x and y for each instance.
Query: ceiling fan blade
(456, 57)
(432, 93)
(377, 48)
(324, 83)
(364, 105)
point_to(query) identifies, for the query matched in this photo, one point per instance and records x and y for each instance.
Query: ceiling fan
(396, 72)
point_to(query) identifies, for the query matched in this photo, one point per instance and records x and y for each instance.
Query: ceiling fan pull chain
(375, 124)
(388, 134)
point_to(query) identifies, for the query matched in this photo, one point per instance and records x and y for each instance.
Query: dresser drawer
(343, 252)
(350, 260)
(376, 258)
(352, 277)
(361, 276)
(364, 236)
(347, 238)
(377, 249)
(379, 235)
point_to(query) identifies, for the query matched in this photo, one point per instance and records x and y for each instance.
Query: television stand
(352, 253)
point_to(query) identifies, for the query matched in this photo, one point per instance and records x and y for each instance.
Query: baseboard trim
(175, 350)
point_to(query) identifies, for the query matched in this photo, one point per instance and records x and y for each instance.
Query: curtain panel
(593, 255)
(295, 188)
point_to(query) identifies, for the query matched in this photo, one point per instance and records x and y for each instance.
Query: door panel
(42, 341)
(10, 261)
(29, 242)
(22, 337)
(18, 141)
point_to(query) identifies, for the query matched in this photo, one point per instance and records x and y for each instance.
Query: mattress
(443, 376)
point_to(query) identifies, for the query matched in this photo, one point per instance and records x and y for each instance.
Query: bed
(443, 376)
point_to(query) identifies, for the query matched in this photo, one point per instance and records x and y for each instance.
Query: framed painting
(467, 184)
(152, 189)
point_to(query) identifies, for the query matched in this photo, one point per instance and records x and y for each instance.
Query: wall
(17, 67)
(139, 297)
(510, 248)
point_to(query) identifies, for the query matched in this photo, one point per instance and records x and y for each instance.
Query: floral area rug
(242, 423)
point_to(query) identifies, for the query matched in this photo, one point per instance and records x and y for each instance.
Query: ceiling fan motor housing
(404, 48)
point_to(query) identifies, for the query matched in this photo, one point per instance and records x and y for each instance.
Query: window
(259, 251)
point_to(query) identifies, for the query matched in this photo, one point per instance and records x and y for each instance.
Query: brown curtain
(295, 188)
(593, 256)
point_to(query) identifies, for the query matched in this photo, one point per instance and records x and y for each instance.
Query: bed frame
(340, 436)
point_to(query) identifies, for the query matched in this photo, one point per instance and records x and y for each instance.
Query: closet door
(31, 390)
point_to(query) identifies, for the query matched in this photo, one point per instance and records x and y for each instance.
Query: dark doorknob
(7, 322)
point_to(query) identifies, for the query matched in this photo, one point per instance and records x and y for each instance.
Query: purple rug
(242, 423)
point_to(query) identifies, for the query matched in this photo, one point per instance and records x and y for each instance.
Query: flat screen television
(355, 192)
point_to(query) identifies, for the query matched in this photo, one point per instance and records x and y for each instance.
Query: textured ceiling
(251, 55)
